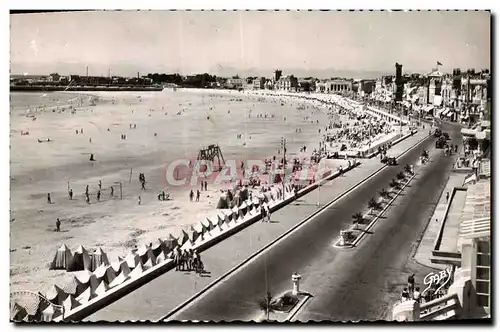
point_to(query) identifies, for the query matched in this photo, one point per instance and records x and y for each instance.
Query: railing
(446, 308)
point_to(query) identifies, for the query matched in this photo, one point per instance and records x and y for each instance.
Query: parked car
(437, 132)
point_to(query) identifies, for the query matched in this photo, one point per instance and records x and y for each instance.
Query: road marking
(280, 238)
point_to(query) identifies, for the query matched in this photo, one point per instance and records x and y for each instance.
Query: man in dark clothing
(87, 190)
(447, 196)
(191, 195)
(58, 225)
(206, 184)
(100, 184)
(70, 194)
(202, 184)
(98, 195)
(111, 193)
(49, 201)
(197, 195)
(411, 283)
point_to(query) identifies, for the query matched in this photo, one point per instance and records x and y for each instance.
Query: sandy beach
(183, 121)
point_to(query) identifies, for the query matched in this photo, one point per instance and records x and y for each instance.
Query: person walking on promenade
(416, 295)
(197, 195)
(447, 196)
(191, 195)
(405, 296)
(49, 200)
(268, 212)
(58, 225)
(70, 194)
(411, 283)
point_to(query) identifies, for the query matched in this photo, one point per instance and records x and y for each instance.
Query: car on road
(441, 143)
(437, 132)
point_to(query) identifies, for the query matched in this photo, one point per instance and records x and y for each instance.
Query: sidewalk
(155, 299)
(424, 251)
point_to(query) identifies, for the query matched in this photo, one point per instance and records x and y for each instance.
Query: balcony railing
(443, 308)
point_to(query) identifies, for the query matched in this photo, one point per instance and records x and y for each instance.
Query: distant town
(462, 96)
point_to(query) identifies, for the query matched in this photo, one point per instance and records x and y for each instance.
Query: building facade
(287, 83)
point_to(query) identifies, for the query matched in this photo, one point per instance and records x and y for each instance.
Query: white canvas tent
(62, 258)
(81, 260)
(99, 257)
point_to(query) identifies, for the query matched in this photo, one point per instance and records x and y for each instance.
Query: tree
(400, 176)
(383, 193)
(394, 183)
(356, 219)
(408, 169)
(373, 204)
(265, 305)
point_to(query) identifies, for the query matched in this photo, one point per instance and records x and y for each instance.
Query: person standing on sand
(191, 194)
(202, 183)
(98, 195)
(206, 183)
(100, 184)
(87, 190)
(49, 201)
(58, 225)
(87, 199)
(70, 194)
(111, 192)
(139, 200)
(197, 195)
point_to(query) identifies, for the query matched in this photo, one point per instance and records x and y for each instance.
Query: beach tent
(87, 295)
(236, 201)
(73, 286)
(124, 268)
(102, 288)
(138, 271)
(106, 273)
(120, 279)
(62, 258)
(50, 313)
(132, 260)
(241, 215)
(223, 202)
(211, 225)
(170, 243)
(193, 234)
(81, 260)
(158, 246)
(230, 195)
(56, 295)
(243, 194)
(70, 303)
(146, 253)
(187, 245)
(83, 276)
(117, 264)
(161, 257)
(183, 238)
(17, 312)
(99, 257)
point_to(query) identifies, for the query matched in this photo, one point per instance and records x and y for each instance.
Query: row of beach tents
(93, 273)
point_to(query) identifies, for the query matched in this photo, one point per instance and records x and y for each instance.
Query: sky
(315, 43)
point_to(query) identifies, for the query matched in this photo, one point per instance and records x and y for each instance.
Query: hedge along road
(346, 284)
(158, 297)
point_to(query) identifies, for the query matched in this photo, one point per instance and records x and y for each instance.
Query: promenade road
(353, 284)
(156, 298)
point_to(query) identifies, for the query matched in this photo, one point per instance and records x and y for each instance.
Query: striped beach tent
(212, 224)
(193, 234)
(17, 312)
(62, 258)
(116, 264)
(150, 262)
(183, 238)
(106, 273)
(81, 260)
(170, 243)
(99, 257)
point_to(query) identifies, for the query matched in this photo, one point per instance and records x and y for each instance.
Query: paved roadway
(356, 284)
